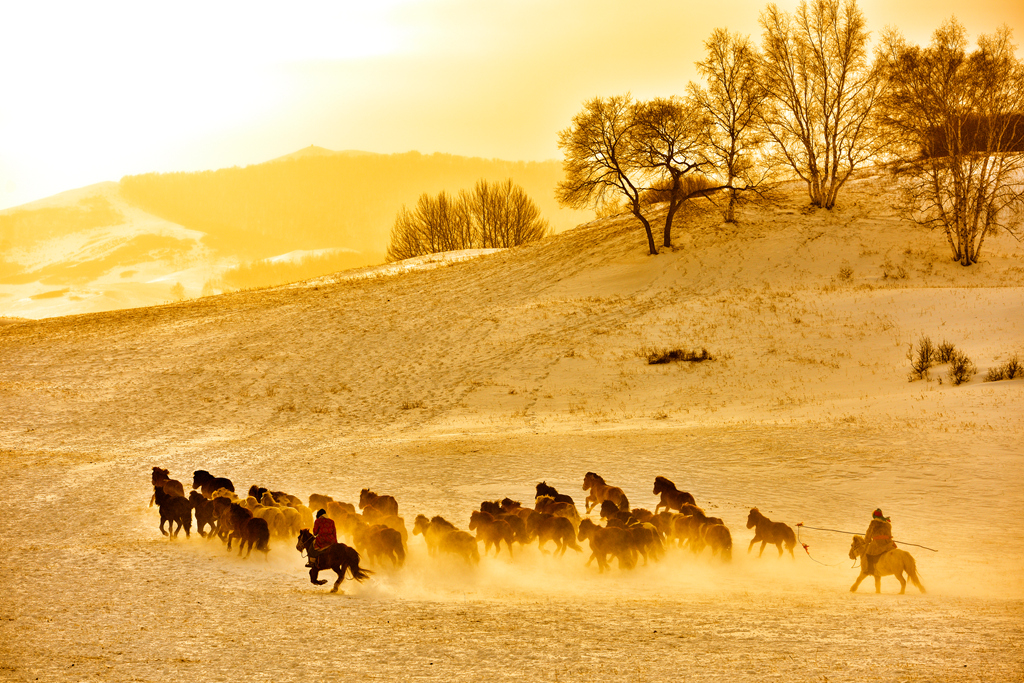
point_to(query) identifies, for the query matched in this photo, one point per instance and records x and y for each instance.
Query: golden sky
(92, 91)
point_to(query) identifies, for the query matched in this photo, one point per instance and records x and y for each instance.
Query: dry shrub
(845, 273)
(1011, 369)
(961, 368)
(659, 357)
(945, 351)
(923, 359)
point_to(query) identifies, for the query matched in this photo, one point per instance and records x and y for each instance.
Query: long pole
(854, 533)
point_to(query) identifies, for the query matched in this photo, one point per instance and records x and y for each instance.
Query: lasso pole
(853, 533)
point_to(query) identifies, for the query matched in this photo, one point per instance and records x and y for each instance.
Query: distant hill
(156, 237)
(318, 199)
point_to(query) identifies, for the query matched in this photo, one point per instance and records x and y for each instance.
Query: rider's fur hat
(320, 513)
(877, 514)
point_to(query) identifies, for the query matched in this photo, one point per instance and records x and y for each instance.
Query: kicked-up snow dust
(92, 590)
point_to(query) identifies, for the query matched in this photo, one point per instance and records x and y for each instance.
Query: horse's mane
(666, 482)
(597, 477)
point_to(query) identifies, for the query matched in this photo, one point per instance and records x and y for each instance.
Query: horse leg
(878, 582)
(779, 546)
(248, 551)
(764, 542)
(313, 574)
(754, 540)
(903, 582)
(853, 588)
(341, 577)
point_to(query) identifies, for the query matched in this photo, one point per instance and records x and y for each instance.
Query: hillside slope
(157, 238)
(464, 378)
(548, 337)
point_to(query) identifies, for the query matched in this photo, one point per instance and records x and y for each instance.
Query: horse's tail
(400, 552)
(625, 503)
(788, 537)
(358, 573)
(911, 567)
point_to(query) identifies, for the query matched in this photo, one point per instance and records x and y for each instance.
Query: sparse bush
(411, 405)
(893, 272)
(845, 273)
(923, 359)
(659, 357)
(945, 352)
(961, 368)
(1008, 370)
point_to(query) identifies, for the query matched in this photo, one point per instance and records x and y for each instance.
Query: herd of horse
(379, 535)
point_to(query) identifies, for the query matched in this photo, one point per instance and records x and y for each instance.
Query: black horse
(337, 556)
(173, 509)
(207, 483)
(544, 490)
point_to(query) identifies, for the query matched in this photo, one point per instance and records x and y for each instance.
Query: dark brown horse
(491, 531)
(543, 489)
(254, 532)
(207, 483)
(175, 510)
(162, 479)
(671, 497)
(374, 506)
(546, 528)
(767, 531)
(606, 541)
(337, 556)
(378, 542)
(204, 510)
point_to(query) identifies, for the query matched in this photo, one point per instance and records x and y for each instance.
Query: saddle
(314, 557)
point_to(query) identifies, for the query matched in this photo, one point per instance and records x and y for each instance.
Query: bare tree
(503, 215)
(956, 125)
(670, 139)
(493, 215)
(436, 224)
(601, 162)
(822, 88)
(733, 103)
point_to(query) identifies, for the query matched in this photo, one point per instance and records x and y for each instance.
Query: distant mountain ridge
(316, 198)
(132, 243)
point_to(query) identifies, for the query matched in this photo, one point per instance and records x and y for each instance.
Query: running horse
(600, 492)
(767, 531)
(336, 556)
(894, 562)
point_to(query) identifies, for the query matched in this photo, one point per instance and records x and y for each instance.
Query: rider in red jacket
(326, 534)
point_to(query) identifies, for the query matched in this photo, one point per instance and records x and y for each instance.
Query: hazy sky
(96, 90)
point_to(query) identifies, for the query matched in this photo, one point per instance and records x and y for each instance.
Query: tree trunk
(647, 226)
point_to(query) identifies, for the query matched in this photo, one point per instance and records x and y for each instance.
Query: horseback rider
(879, 538)
(326, 535)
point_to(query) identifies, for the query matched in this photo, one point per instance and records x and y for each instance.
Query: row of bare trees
(492, 215)
(813, 102)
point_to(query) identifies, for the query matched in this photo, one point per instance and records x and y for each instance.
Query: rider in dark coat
(879, 538)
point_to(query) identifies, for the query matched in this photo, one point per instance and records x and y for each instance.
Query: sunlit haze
(94, 91)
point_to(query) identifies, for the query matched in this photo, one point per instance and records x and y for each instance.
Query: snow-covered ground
(450, 386)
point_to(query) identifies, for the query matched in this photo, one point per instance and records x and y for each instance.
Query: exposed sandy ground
(453, 385)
